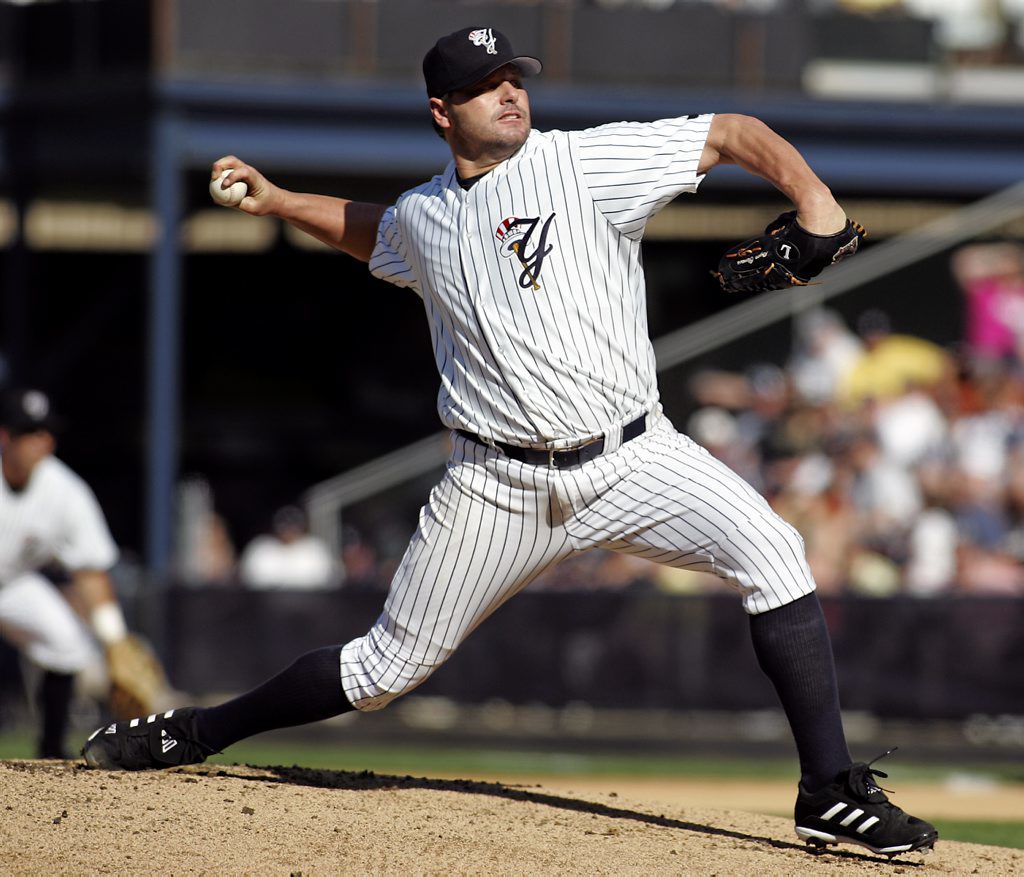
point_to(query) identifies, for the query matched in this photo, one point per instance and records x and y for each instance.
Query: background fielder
(50, 517)
(526, 253)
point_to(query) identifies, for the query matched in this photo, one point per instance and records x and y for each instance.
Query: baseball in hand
(232, 195)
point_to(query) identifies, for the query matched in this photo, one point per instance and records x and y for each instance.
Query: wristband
(108, 621)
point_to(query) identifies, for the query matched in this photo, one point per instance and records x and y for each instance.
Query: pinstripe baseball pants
(35, 618)
(493, 524)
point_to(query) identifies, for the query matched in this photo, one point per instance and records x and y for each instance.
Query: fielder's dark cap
(469, 55)
(28, 410)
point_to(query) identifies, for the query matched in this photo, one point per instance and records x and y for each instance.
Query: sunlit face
(488, 120)
(21, 452)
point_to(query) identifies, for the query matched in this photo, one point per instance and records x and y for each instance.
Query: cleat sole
(821, 840)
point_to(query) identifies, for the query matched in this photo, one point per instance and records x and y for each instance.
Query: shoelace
(880, 773)
(867, 772)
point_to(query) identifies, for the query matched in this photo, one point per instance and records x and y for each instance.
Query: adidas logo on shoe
(167, 743)
(854, 813)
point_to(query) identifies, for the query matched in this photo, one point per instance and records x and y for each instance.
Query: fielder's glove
(137, 679)
(785, 255)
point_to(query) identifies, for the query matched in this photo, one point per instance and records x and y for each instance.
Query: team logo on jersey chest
(516, 238)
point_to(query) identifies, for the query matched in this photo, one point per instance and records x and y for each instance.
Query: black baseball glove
(785, 255)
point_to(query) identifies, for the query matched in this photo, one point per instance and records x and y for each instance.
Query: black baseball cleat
(149, 743)
(853, 809)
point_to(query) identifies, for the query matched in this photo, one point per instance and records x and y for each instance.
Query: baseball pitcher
(525, 251)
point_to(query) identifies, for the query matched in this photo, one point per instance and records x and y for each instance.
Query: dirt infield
(59, 818)
(960, 797)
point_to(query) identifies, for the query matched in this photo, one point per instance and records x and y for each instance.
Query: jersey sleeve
(84, 541)
(633, 169)
(389, 260)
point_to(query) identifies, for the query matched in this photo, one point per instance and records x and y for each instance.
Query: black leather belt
(563, 459)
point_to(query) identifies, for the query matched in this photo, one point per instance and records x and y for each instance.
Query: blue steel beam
(380, 129)
(164, 344)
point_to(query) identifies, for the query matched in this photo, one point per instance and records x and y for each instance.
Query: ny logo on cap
(36, 405)
(484, 37)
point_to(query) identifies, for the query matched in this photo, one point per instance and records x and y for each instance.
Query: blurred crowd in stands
(900, 462)
(971, 31)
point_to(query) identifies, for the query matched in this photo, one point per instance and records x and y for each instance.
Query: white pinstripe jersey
(55, 518)
(532, 279)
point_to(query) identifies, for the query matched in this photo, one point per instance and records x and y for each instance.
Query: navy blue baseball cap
(24, 411)
(469, 55)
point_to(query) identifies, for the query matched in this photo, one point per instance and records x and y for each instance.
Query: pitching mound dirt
(59, 818)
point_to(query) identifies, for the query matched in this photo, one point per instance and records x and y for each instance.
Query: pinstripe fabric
(551, 363)
(493, 524)
(533, 287)
(37, 619)
(484, 535)
(683, 507)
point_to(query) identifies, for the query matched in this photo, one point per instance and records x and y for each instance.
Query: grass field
(509, 764)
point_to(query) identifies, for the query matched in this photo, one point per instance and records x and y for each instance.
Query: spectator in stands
(991, 277)
(971, 31)
(886, 495)
(931, 566)
(289, 557)
(360, 561)
(993, 573)
(909, 427)
(891, 363)
(826, 350)
(204, 554)
(215, 553)
(815, 498)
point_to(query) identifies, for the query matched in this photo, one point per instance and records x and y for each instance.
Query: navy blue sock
(307, 691)
(794, 650)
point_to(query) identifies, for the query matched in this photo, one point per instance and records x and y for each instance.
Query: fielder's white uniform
(56, 518)
(533, 286)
